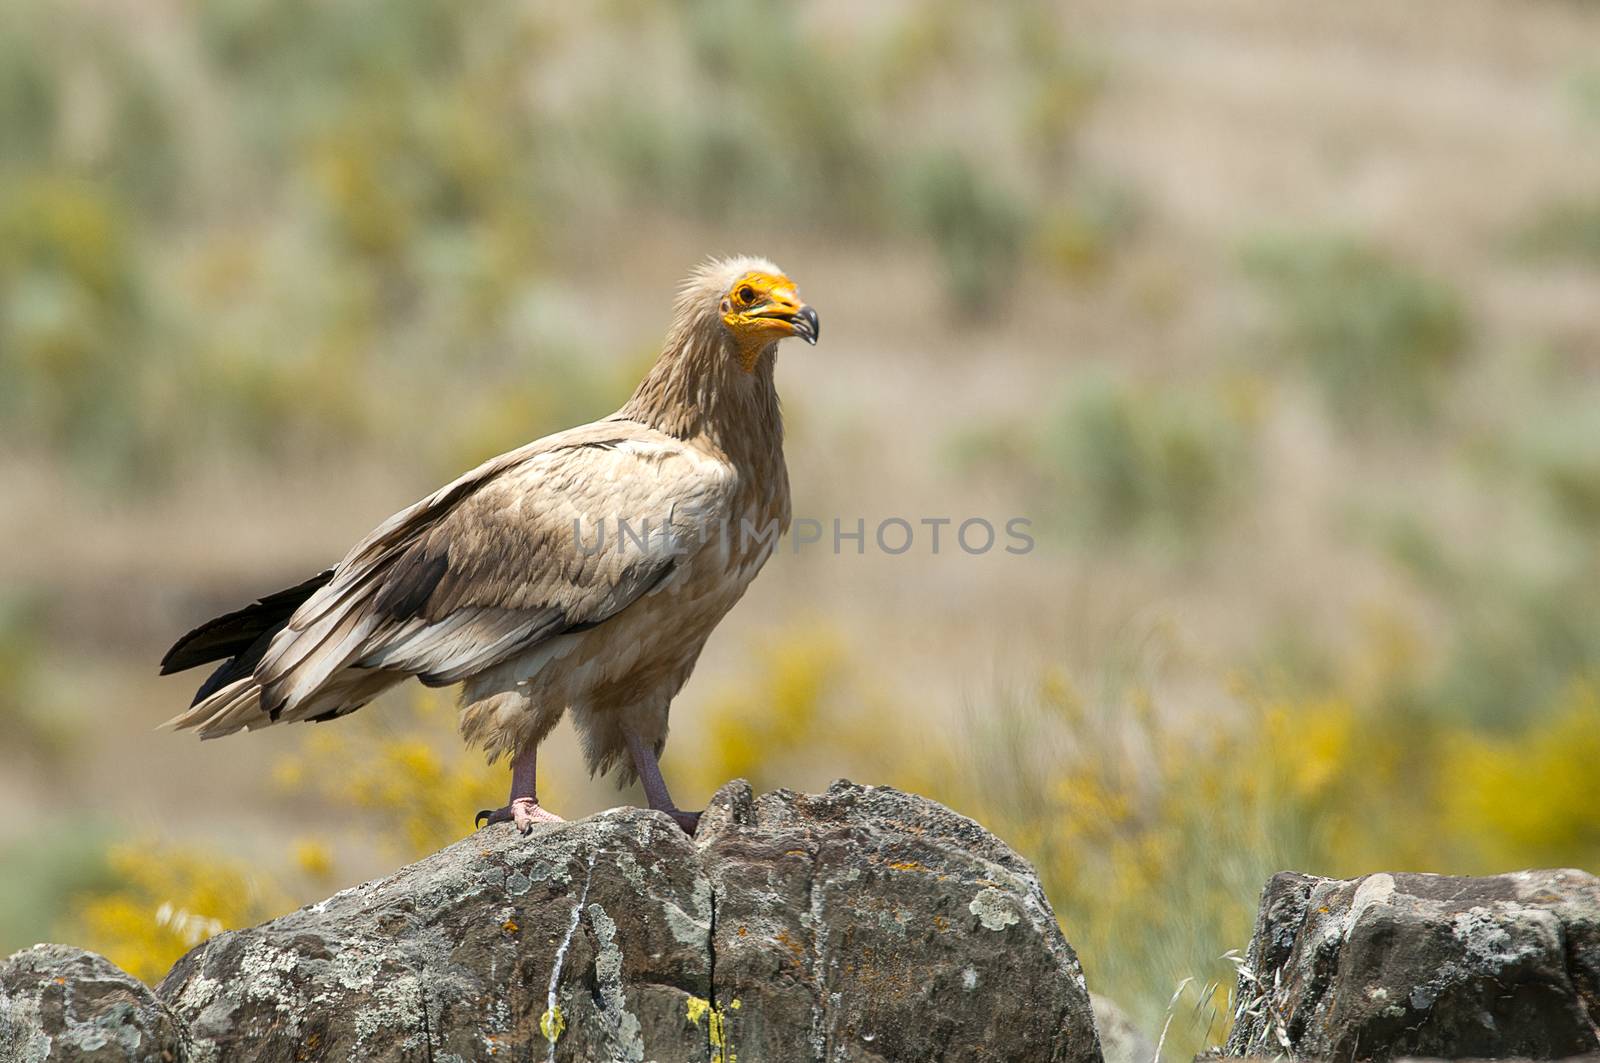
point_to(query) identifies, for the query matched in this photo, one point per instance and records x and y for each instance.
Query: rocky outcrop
(1423, 965)
(66, 1005)
(860, 924)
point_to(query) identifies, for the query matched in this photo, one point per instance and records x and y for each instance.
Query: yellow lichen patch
(510, 926)
(717, 1034)
(908, 865)
(552, 1024)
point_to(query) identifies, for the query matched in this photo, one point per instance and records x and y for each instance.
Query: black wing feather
(238, 667)
(236, 633)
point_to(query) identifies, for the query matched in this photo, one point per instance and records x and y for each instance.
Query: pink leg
(523, 808)
(655, 787)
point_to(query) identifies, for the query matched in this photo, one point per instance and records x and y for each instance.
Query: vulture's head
(753, 301)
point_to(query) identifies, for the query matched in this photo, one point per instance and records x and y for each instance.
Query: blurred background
(1282, 326)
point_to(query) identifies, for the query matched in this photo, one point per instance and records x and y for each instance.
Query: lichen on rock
(1423, 965)
(862, 924)
(61, 1003)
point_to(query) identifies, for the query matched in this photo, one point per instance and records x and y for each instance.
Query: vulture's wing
(233, 633)
(499, 560)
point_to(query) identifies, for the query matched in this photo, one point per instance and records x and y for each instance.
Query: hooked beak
(806, 325)
(801, 319)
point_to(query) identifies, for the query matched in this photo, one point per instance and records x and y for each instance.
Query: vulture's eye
(746, 294)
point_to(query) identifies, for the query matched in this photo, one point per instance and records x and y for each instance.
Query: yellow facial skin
(761, 308)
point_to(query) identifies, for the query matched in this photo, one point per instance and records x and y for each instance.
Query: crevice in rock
(711, 976)
(821, 1032)
(422, 998)
(522, 946)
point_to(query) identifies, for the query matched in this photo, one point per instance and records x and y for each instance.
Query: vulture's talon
(522, 811)
(689, 821)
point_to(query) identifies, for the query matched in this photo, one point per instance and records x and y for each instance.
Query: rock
(867, 924)
(861, 924)
(1212, 1057)
(64, 1004)
(1120, 1040)
(1423, 965)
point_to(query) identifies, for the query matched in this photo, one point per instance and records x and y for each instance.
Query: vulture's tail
(232, 708)
(230, 699)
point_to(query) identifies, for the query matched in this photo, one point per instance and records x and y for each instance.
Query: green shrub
(31, 724)
(1118, 459)
(1569, 229)
(71, 316)
(1560, 451)
(1521, 625)
(974, 225)
(44, 868)
(1378, 338)
(372, 191)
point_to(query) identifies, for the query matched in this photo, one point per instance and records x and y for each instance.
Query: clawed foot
(689, 821)
(524, 812)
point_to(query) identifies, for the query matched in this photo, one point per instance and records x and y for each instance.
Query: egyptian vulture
(519, 582)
